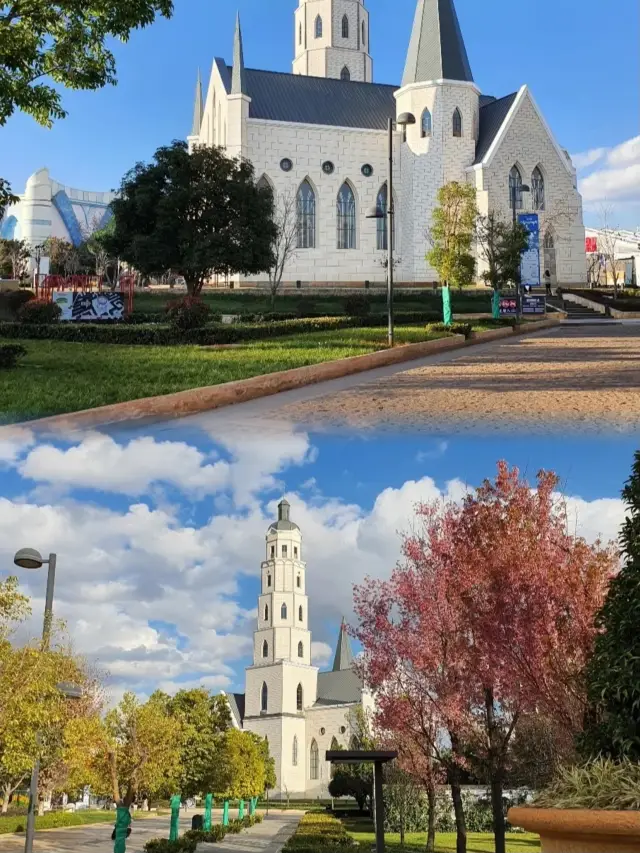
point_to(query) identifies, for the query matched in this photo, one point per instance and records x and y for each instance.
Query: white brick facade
(422, 164)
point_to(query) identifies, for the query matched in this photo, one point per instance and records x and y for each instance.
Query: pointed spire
(344, 653)
(198, 109)
(238, 76)
(436, 50)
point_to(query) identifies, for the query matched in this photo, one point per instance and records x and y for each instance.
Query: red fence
(46, 285)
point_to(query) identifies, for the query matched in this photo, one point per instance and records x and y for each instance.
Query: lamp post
(28, 558)
(515, 191)
(375, 213)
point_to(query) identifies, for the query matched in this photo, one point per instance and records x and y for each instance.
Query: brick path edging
(198, 400)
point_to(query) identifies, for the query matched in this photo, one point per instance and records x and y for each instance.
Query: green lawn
(13, 823)
(57, 377)
(415, 842)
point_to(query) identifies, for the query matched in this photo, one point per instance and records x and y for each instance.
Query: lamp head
(405, 119)
(525, 189)
(29, 558)
(375, 213)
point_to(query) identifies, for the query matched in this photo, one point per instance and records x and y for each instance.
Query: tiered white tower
(332, 40)
(281, 684)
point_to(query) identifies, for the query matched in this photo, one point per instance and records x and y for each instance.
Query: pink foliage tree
(489, 617)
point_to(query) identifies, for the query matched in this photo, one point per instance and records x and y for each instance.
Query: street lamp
(515, 191)
(375, 213)
(29, 558)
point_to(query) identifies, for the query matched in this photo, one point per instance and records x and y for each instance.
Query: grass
(234, 302)
(57, 377)
(415, 842)
(51, 820)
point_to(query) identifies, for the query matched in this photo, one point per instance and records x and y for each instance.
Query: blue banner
(530, 264)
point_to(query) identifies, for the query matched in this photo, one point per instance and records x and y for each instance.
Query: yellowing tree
(238, 771)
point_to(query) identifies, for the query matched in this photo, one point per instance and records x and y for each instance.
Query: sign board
(530, 264)
(534, 304)
(508, 307)
(89, 307)
(591, 245)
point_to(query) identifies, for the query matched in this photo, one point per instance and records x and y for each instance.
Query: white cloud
(14, 441)
(617, 178)
(321, 654)
(436, 452)
(588, 158)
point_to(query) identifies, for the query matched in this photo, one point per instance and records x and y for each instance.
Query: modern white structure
(320, 135)
(626, 245)
(303, 712)
(49, 209)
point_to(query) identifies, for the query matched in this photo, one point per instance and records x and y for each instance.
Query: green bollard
(174, 832)
(252, 806)
(208, 803)
(225, 813)
(241, 810)
(123, 821)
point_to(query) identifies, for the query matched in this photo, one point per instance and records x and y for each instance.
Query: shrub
(306, 307)
(319, 832)
(10, 354)
(357, 306)
(187, 313)
(600, 784)
(455, 328)
(39, 312)
(17, 298)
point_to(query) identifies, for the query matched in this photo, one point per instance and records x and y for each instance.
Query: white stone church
(303, 712)
(319, 135)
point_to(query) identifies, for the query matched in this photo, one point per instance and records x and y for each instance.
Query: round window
(322, 731)
(286, 165)
(367, 170)
(342, 729)
(328, 168)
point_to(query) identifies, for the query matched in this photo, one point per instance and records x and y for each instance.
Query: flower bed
(189, 842)
(319, 832)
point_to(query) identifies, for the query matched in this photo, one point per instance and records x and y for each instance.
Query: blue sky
(575, 57)
(160, 534)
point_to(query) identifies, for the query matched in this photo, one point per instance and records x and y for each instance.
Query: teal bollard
(208, 805)
(241, 810)
(123, 821)
(225, 813)
(176, 802)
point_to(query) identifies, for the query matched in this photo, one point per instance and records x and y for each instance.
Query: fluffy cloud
(14, 441)
(617, 176)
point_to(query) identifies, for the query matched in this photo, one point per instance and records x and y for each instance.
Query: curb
(209, 398)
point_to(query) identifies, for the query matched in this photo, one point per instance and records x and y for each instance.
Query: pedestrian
(547, 282)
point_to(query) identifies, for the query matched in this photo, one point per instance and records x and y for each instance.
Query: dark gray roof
(238, 81)
(492, 117)
(198, 109)
(236, 703)
(277, 96)
(436, 50)
(344, 654)
(283, 522)
(339, 688)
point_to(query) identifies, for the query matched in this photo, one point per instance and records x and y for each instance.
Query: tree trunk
(40, 807)
(6, 796)
(496, 774)
(461, 824)
(497, 809)
(431, 829)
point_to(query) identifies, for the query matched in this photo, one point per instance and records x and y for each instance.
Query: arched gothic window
(266, 613)
(515, 188)
(300, 614)
(457, 122)
(306, 215)
(345, 74)
(334, 747)
(294, 755)
(314, 761)
(354, 743)
(346, 209)
(426, 124)
(382, 222)
(263, 184)
(300, 650)
(364, 34)
(345, 27)
(299, 697)
(283, 611)
(265, 649)
(264, 697)
(318, 27)
(537, 189)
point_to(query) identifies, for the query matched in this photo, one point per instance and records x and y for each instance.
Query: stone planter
(580, 830)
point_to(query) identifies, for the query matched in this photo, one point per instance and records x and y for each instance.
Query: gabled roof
(236, 706)
(296, 98)
(436, 50)
(339, 688)
(492, 116)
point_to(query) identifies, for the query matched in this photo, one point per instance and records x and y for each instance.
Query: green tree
(500, 245)
(64, 42)
(451, 234)
(57, 250)
(6, 196)
(613, 672)
(238, 769)
(134, 752)
(268, 760)
(202, 719)
(194, 214)
(15, 253)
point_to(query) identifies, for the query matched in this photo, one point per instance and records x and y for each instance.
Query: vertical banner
(530, 264)
(447, 313)
(64, 300)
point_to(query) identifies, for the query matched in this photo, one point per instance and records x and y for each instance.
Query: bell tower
(332, 40)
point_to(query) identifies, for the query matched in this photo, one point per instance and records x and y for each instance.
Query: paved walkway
(266, 837)
(584, 377)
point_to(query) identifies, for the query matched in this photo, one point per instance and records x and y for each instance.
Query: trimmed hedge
(10, 354)
(629, 303)
(319, 832)
(188, 842)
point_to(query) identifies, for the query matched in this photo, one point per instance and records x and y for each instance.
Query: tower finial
(198, 109)
(437, 50)
(238, 76)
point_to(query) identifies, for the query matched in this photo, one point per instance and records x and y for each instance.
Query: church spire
(198, 108)
(238, 76)
(437, 50)
(344, 654)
